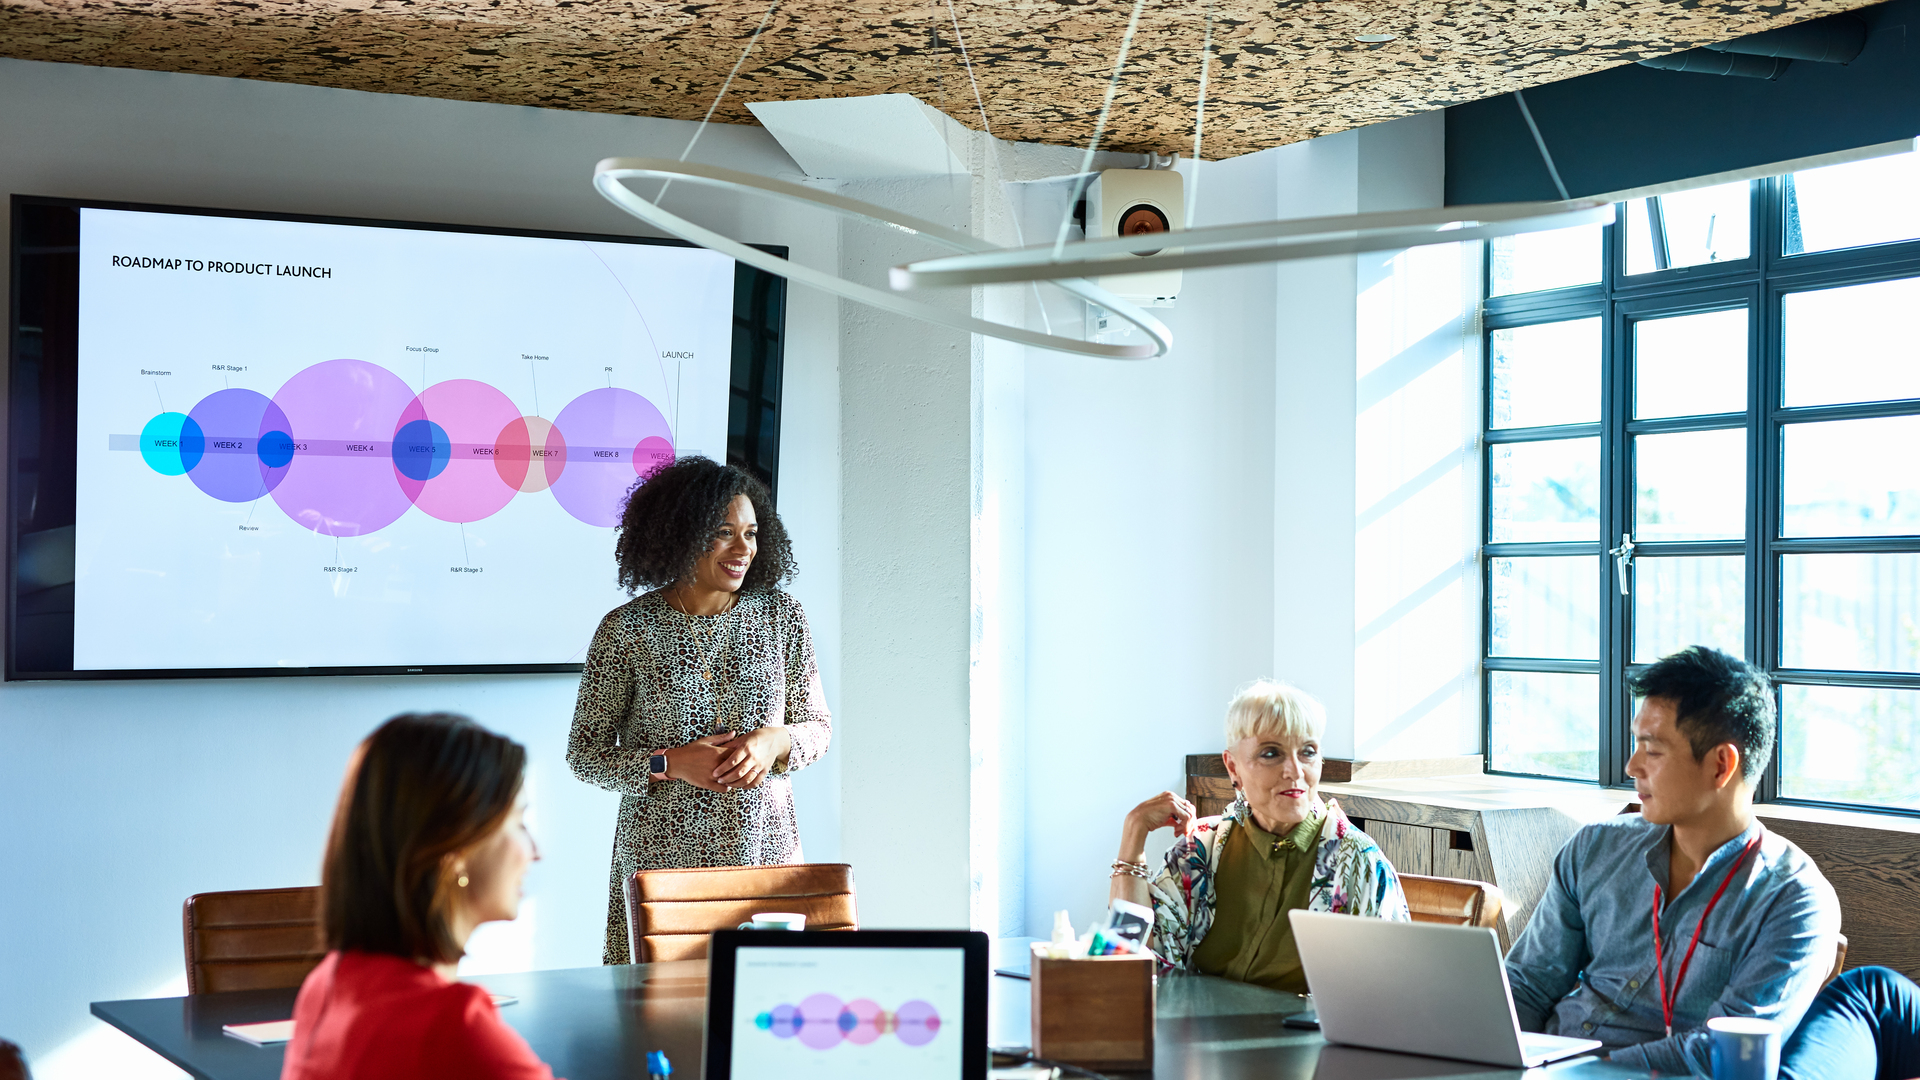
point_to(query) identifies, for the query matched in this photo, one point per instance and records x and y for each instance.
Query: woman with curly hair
(700, 697)
(1220, 902)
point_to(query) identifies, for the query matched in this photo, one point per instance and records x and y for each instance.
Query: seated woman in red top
(428, 843)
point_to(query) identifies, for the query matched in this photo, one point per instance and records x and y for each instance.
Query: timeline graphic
(822, 1022)
(345, 447)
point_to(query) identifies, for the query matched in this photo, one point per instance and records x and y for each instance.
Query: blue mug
(1745, 1048)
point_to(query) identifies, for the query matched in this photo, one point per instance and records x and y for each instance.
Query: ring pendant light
(610, 176)
(1257, 242)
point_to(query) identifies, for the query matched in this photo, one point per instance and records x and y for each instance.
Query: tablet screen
(848, 1013)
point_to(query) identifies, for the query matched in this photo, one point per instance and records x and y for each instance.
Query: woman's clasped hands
(726, 761)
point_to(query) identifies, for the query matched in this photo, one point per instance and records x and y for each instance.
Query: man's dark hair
(672, 513)
(420, 788)
(1716, 699)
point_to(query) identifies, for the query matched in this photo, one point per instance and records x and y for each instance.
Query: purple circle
(916, 1023)
(602, 428)
(785, 1021)
(341, 481)
(231, 422)
(820, 1021)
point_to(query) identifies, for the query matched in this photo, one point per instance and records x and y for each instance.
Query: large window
(1703, 426)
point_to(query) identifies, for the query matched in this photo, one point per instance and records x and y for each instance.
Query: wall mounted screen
(246, 444)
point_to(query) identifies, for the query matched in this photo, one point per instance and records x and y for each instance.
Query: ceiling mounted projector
(1137, 202)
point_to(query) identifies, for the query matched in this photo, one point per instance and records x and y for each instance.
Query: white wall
(1416, 472)
(1273, 498)
(906, 423)
(1150, 532)
(123, 798)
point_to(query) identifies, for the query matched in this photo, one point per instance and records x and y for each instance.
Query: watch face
(658, 764)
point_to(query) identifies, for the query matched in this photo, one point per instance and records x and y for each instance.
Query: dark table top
(594, 1023)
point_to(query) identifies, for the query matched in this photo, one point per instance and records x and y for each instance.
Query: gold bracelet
(1140, 870)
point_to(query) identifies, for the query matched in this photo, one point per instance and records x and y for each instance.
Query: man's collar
(1660, 852)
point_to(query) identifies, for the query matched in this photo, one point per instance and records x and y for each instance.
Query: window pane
(1547, 607)
(1688, 601)
(1545, 723)
(1546, 374)
(1692, 485)
(1706, 225)
(1546, 491)
(1850, 612)
(1850, 744)
(1864, 202)
(1545, 260)
(1852, 478)
(1690, 365)
(1852, 344)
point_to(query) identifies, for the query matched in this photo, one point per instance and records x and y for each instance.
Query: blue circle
(166, 440)
(421, 450)
(847, 1021)
(193, 444)
(275, 449)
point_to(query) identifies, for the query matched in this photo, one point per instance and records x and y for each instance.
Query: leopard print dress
(655, 678)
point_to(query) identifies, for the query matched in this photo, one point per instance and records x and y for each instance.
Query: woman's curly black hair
(671, 515)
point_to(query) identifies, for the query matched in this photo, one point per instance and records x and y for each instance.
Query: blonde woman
(1220, 902)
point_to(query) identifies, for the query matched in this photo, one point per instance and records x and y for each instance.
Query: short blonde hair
(1274, 710)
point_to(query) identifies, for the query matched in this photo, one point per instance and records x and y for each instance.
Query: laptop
(1418, 988)
(847, 1005)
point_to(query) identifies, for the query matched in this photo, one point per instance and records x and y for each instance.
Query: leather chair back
(13, 1062)
(1839, 961)
(256, 939)
(671, 912)
(1452, 900)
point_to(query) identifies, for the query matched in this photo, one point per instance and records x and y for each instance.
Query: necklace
(711, 643)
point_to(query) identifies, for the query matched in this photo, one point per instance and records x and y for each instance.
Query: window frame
(1758, 282)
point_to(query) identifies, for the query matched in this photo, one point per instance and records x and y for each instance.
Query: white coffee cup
(1745, 1048)
(776, 920)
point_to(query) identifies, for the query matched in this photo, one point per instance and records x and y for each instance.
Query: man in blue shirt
(1747, 926)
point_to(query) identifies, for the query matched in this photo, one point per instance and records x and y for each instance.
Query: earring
(461, 881)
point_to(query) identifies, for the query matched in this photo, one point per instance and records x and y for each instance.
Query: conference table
(599, 1024)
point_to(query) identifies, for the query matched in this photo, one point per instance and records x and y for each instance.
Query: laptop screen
(848, 1013)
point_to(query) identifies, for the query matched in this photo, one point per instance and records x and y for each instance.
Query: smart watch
(657, 765)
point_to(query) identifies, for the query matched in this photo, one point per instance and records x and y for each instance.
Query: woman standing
(699, 698)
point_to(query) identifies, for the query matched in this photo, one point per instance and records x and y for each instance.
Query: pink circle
(343, 414)
(866, 1021)
(473, 415)
(517, 449)
(601, 430)
(820, 1021)
(652, 453)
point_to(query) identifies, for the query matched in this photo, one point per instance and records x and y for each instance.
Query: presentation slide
(312, 445)
(848, 1014)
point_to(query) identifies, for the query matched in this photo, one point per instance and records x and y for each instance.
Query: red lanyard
(1659, 966)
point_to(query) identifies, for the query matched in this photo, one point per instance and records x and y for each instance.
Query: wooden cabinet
(1480, 828)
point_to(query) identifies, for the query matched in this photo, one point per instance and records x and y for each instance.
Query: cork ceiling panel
(1281, 71)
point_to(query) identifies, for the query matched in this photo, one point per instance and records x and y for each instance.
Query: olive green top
(1261, 878)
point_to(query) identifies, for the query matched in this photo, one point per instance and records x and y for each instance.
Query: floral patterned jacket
(1350, 876)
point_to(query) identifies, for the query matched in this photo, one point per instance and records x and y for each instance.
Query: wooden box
(1094, 1011)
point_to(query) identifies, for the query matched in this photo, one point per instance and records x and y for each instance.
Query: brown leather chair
(1452, 900)
(13, 1062)
(671, 912)
(256, 939)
